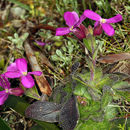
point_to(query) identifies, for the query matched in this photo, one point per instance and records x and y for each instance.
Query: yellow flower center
(103, 20)
(71, 28)
(24, 73)
(6, 90)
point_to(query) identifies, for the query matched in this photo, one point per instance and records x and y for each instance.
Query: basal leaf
(120, 85)
(87, 43)
(110, 111)
(4, 125)
(106, 99)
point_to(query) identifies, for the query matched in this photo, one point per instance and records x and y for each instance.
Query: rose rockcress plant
(96, 92)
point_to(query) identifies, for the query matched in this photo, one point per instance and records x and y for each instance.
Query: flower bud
(80, 32)
(97, 30)
(16, 91)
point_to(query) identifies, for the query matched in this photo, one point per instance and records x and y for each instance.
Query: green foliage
(97, 113)
(91, 125)
(20, 4)
(106, 99)
(63, 56)
(121, 124)
(4, 125)
(64, 5)
(18, 41)
(87, 43)
(105, 6)
(81, 90)
(33, 93)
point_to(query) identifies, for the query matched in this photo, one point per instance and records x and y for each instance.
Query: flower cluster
(18, 69)
(76, 27)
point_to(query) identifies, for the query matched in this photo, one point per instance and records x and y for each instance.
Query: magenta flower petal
(21, 64)
(4, 83)
(71, 18)
(27, 81)
(40, 43)
(11, 74)
(3, 97)
(12, 67)
(92, 15)
(16, 91)
(62, 31)
(38, 73)
(109, 30)
(114, 19)
(81, 19)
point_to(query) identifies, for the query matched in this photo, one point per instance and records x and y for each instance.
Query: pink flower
(18, 69)
(101, 23)
(5, 84)
(72, 20)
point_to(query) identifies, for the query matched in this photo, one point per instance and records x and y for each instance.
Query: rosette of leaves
(98, 100)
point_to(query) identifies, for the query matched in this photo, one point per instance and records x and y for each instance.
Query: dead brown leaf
(41, 80)
(121, 67)
(111, 58)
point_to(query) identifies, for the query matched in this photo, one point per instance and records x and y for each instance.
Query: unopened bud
(97, 30)
(16, 91)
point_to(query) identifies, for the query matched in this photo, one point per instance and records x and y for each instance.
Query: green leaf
(122, 94)
(98, 74)
(79, 89)
(92, 125)
(106, 99)
(85, 76)
(117, 123)
(64, 49)
(33, 93)
(16, 36)
(110, 112)
(87, 43)
(120, 85)
(46, 125)
(4, 125)
(24, 36)
(55, 58)
(59, 53)
(87, 95)
(58, 43)
(95, 53)
(20, 4)
(17, 103)
(70, 47)
(105, 81)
